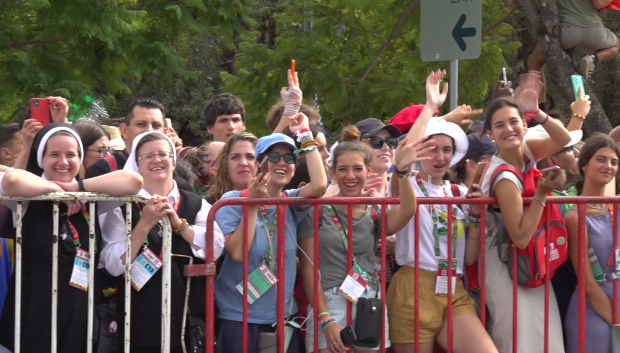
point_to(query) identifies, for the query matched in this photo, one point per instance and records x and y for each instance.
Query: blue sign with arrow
(450, 29)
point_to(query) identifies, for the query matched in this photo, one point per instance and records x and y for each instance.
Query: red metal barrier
(281, 204)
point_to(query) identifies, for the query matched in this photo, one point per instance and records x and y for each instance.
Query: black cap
(480, 145)
(371, 126)
(477, 124)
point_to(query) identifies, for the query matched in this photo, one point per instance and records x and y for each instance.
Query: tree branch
(39, 41)
(400, 20)
(402, 56)
(499, 22)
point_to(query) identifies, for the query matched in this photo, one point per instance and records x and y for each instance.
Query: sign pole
(454, 84)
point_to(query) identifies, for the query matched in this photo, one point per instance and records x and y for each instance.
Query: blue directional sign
(450, 29)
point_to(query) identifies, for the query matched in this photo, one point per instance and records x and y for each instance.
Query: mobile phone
(40, 110)
(167, 123)
(504, 72)
(577, 82)
(347, 335)
(478, 172)
(554, 168)
(267, 342)
(262, 167)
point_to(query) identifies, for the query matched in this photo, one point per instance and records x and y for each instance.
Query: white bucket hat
(438, 125)
(539, 132)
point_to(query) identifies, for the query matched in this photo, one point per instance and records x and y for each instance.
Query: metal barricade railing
(91, 198)
(282, 203)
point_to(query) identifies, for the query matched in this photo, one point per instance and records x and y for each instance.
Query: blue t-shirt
(227, 297)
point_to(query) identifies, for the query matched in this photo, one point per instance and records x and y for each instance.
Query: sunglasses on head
(377, 142)
(274, 157)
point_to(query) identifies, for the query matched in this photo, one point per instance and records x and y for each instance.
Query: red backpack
(531, 262)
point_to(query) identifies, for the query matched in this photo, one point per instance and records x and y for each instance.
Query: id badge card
(355, 284)
(441, 286)
(259, 281)
(143, 268)
(617, 262)
(79, 276)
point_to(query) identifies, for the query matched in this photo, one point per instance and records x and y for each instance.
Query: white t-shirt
(405, 238)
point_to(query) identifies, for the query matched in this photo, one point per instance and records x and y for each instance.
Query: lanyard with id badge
(79, 275)
(358, 278)
(263, 277)
(441, 286)
(148, 263)
(599, 274)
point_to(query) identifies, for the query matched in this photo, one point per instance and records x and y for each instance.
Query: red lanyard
(74, 232)
(612, 254)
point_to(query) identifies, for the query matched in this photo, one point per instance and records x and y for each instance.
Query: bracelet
(542, 203)
(324, 313)
(580, 117)
(182, 227)
(403, 173)
(547, 118)
(307, 143)
(299, 132)
(306, 136)
(81, 186)
(531, 115)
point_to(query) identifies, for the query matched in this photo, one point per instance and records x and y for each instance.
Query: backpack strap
(373, 212)
(111, 162)
(456, 192)
(505, 168)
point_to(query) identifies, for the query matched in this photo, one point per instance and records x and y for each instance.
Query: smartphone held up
(40, 110)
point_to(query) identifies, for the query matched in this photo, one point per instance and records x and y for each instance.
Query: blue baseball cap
(266, 142)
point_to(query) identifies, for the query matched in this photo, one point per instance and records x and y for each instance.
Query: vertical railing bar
(91, 275)
(18, 277)
(547, 260)
(244, 336)
(166, 289)
(416, 280)
(449, 250)
(349, 254)
(210, 282)
(56, 215)
(614, 302)
(281, 285)
(128, 229)
(581, 279)
(482, 265)
(317, 214)
(515, 292)
(384, 208)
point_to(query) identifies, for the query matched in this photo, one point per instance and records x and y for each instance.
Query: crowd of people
(416, 155)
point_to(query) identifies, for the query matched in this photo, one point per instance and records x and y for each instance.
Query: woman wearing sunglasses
(276, 160)
(152, 155)
(53, 164)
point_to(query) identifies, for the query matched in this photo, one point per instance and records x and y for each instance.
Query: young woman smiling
(276, 152)
(53, 163)
(153, 156)
(505, 124)
(351, 166)
(449, 147)
(598, 163)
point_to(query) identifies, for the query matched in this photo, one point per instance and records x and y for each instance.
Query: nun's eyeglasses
(149, 157)
(103, 151)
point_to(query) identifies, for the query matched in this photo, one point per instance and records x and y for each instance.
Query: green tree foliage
(360, 58)
(67, 47)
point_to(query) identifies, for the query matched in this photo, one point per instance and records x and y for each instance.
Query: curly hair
(220, 184)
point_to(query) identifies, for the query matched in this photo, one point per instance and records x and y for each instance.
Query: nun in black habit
(53, 164)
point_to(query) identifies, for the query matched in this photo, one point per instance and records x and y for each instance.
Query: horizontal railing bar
(72, 196)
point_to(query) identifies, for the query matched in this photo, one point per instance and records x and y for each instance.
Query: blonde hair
(221, 184)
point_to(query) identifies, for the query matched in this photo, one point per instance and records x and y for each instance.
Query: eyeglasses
(377, 142)
(149, 157)
(274, 157)
(570, 150)
(103, 151)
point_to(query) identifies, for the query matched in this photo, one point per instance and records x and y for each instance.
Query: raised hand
(406, 154)
(59, 109)
(291, 95)
(434, 97)
(500, 91)
(530, 86)
(372, 181)
(581, 106)
(298, 122)
(474, 191)
(461, 114)
(29, 131)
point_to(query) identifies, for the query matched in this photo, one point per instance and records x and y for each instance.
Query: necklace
(596, 208)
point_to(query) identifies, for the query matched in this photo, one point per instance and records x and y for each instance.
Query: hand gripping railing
(91, 198)
(281, 204)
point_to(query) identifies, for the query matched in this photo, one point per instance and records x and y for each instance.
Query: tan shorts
(433, 309)
(594, 38)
